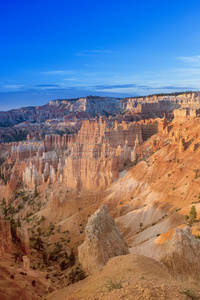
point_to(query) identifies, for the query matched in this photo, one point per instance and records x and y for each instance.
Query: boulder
(103, 240)
(26, 263)
(182, 255)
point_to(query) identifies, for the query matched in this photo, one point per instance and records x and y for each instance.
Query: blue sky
(65, 49)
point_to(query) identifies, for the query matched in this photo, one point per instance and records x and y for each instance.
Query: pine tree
(72, 258)
(35, 194)
(193, 213)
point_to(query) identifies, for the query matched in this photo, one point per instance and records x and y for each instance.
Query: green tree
(39, 231)
(4, 208)
(39, 243)
(193, 213)
(35, 194)
(13, 226)
(18, 222)
(72, 258)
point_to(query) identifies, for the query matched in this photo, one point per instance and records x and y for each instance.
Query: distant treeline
(165, 94)
(172, 94)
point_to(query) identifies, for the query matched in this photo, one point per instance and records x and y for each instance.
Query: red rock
(5, 237)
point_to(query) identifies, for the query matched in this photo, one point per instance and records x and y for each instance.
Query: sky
(68, 49)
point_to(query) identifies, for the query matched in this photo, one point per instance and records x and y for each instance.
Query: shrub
(13, 226)
(56, 253)
(190, 294)
(25, 199)
(64, 265)
(113, 284)
(71, 258)
(77, 275)
(33, 283)
(186, 217)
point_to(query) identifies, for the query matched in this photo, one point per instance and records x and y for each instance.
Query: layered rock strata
(91, 159)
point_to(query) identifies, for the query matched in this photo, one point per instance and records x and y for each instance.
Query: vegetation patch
(76, 275)
(113, 284)
(190, 294)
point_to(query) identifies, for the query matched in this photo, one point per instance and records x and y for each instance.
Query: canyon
(98, 188)
(64, 116)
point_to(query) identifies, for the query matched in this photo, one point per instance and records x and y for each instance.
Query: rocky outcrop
(51, 158)
(13, 184)
(136, 150)
(93, 105)
(149, 128)
(182, 256)
(26, 263)
(156, 144)
(31, 177)
(124, 133)
(91, 131)
(103, 240)
(22, 235)
(25, 150)
(182, 145)
(5, 237)
(57, 142)
(90, 166)
(180, 115)
(118, 134)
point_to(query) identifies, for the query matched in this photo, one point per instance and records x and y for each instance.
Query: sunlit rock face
(103, 240)
(23, 237)
(182, 256)
(91, 166)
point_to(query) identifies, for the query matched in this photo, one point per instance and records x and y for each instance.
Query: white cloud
(193, 60)
(12, 86)
(92, 52)
(100, 51)
(69, 79)
(57, 72)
